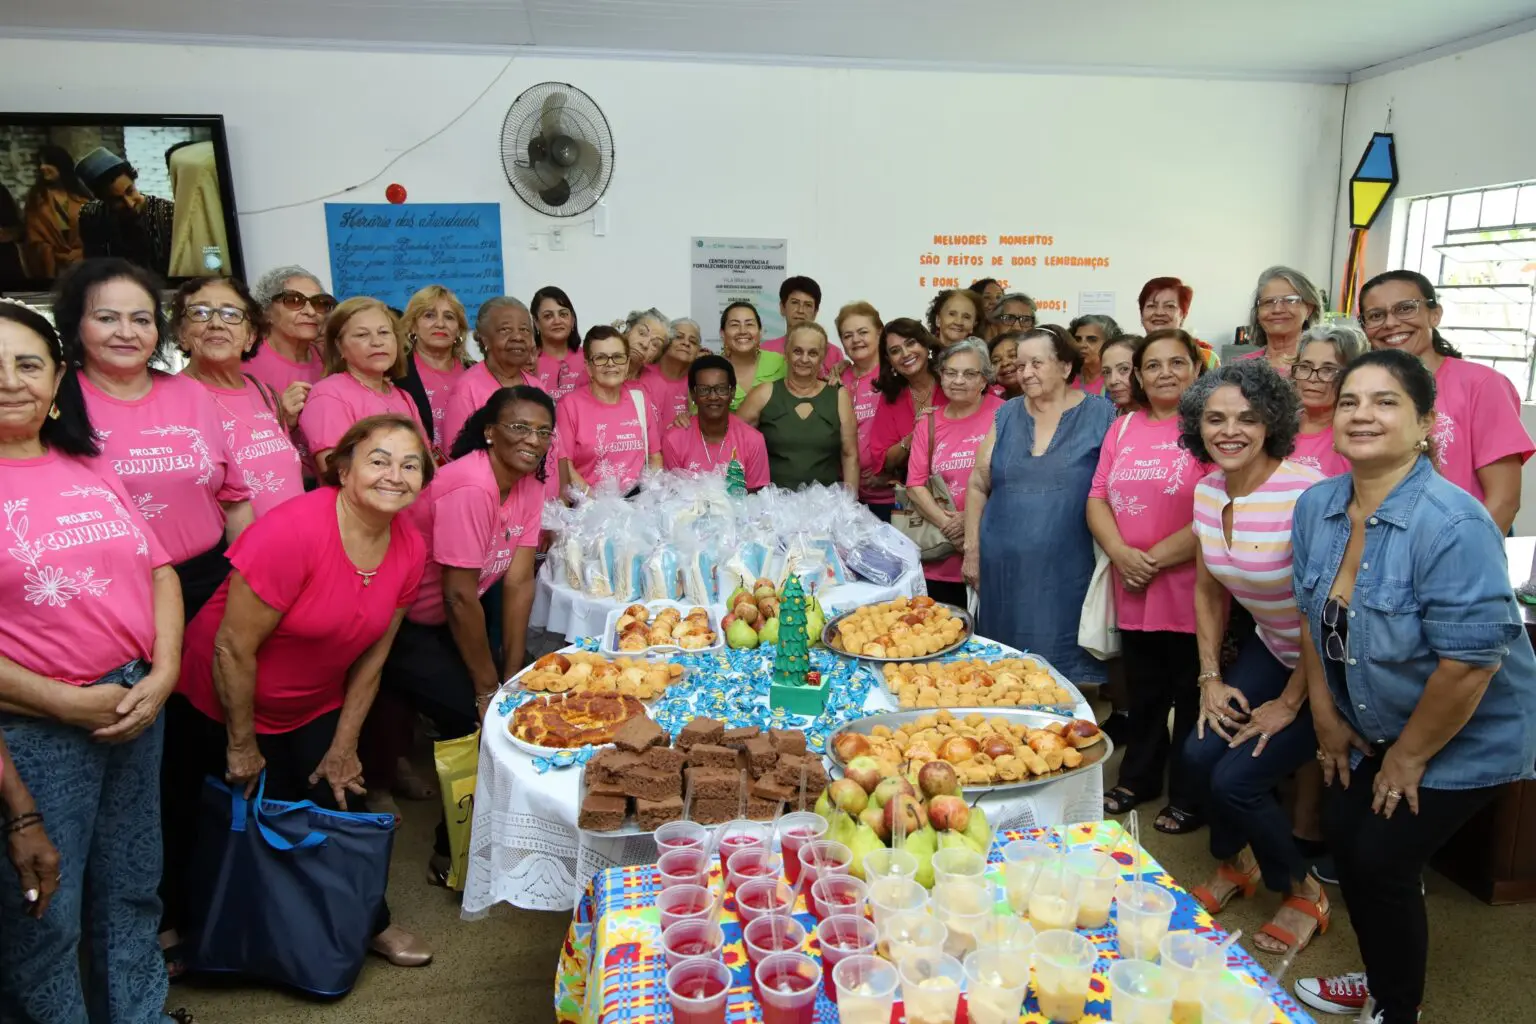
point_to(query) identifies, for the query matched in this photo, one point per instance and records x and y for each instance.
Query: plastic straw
(805, 767)
(719, 901)
(1228, 943)
(741, 803)
(688, 799)
(1136, 841)
(898, 827)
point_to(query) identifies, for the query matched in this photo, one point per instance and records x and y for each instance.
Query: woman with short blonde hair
(436, 329)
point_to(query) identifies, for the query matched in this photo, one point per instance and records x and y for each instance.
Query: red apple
(864, 770)
(949, 814)
(848, 795)
(874, 817)
(938, 778)
(959, 748)
(913, 817)
(725, 623)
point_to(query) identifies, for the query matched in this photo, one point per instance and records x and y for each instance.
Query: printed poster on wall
(390, 251)
(727, 270)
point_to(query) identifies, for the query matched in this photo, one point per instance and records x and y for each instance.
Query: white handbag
(1098, 632)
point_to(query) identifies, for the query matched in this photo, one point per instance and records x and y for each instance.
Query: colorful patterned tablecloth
(611, 968)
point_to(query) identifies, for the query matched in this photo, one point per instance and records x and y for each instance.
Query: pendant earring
(1423, 445)
(53, 411)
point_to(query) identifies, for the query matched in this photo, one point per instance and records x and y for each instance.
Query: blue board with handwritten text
(389, 251)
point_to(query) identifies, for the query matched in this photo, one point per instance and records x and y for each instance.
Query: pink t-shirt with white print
(267, 460)
(171, 453)
(467, 526)
(1477, 422)
(340, 400)
(438, 384)
(76, 571)
(865, 399)
(669, 397)
(603, 440)
(1149, 483)
(1315, 451)
(277, 371)
(470, 393)
(684, 448)
(955, 444)
(559, 377)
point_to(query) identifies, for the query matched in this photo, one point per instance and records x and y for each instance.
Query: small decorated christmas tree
(735, 478)
(794, 687)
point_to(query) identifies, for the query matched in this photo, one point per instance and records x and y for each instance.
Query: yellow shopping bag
(457, 763)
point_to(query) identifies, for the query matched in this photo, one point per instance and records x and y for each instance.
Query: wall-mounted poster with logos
(727, 270)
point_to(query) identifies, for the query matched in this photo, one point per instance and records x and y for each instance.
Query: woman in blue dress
(1027, 547)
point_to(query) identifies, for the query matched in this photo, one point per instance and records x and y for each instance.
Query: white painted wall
(1211, 181)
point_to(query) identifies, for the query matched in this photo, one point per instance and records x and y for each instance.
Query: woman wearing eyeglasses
(1325, 350)
(1421, 679)
(160, 434)
(945, 444)
(605, 428)
(1285, 303)
(1480, 443)
(364, 358)
(287, 359)
(216, 322)
(710, 440)
(480, 520)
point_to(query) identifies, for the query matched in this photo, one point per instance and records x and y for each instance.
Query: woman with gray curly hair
(1326, 349)
(945, 444)
(1090, 332)
(1285, 303)
(288, 358)
(1252, 732)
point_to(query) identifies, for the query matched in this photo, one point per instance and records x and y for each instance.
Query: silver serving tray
(964, 616)
(1096, 754)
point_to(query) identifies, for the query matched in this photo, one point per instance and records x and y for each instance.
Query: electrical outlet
(533, 241)
(556, 239)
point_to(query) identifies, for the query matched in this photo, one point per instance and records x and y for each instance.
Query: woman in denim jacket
(1421, 679)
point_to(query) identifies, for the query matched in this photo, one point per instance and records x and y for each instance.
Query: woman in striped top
(1243, 417)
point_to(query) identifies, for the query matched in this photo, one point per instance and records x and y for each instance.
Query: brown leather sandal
(1318, 911)
(1243, 884)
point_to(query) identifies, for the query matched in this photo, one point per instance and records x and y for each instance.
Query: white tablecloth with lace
(526, 850)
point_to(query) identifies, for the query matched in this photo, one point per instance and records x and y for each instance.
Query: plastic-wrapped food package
(660, 574)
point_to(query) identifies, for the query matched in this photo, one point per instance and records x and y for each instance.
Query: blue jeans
(1237, 789)
(101, 807)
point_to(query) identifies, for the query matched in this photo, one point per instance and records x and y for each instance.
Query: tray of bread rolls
(661, 627)
(989, 748)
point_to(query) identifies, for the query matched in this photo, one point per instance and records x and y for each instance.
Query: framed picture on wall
(155, 189)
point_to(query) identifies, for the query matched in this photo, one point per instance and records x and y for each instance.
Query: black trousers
(195, 747)
(1161, 671)
(1380, 863)
(426, 671)
(200, 576)
(947, 592)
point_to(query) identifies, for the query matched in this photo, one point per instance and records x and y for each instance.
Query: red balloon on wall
(395, 193)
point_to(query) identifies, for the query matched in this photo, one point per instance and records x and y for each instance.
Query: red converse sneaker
(1342, 993)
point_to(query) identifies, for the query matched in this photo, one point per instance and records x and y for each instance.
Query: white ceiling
(1301, 39)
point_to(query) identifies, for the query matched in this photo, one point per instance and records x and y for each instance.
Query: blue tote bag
(288, 891)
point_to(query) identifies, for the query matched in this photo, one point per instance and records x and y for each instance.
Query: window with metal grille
(1479, 248)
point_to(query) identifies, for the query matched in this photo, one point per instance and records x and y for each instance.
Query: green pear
(824, 806)
(815, 622)
(736, 596)
(842, 829)
(953, 841)
(864, 840)
(769, 633)
(979, 832)
(740, 635)
(923, 844)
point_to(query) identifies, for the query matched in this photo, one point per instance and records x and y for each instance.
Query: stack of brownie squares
(707, 758)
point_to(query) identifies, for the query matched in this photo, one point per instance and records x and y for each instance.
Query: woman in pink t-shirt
(558, 368)
(90, 638)
(1116, 371)
(287, 358)
(504, 331)
(1326, 349)
(1090, 331)
(605, 429)
(160, 435)
(646, 332)
(908, 387)
(435, 333)
(956, 433)
(480, 520)
(280, 668)
(859, 327)
(216, 322)
(1140, 508)
(710, 440)
(1479, 442)
(1004, 350)
(666, 381)
(364, 357)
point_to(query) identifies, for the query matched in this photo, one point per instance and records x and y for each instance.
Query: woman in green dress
(807, 424)
(741, 335)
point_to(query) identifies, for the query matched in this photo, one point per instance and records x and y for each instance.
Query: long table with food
(585, 753)
(1017, 961)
